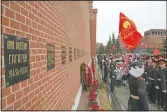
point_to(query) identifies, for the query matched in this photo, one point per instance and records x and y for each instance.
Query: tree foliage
(119, 49)
(108, 46)
(113, 40)
(100, 50)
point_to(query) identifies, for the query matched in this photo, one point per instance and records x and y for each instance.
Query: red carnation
(95, 107)
(92, 97)
(92, 91)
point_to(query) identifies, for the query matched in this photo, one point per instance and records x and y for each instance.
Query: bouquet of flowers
(92, 91)
(96, 107)
(92, 97)
(95, 84)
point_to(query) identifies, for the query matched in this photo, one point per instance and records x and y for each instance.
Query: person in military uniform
(106, 69)
(112, 75)
(152, 87)
(130, 61)
(161, 83)
(165, 102)
(137, 86)
(100, 62)
(98, 59)
(147, 71)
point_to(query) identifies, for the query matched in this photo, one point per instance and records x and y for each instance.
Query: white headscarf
(137, 72)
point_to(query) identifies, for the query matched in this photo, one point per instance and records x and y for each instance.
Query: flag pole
(166, 48)
(147, 43)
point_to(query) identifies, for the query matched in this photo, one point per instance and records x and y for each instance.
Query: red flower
(92, 91)
(95, 107)
(95, 83)
(92, 97)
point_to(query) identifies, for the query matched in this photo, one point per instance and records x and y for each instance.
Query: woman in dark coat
(137, 86)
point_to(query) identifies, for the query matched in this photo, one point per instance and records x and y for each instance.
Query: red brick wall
(93, 13)
(61, 23)
(154, 41)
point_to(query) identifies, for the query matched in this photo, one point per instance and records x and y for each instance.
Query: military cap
(153, 57)
(154, 60)
(162, 60)
(148, 57)
(138, 63)
(159, 56)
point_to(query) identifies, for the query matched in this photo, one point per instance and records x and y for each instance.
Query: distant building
(154, 38)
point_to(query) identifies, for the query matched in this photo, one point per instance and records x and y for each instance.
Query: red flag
(128, 32)
(156, 52)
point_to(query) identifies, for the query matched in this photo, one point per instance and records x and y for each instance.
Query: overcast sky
(145, 14)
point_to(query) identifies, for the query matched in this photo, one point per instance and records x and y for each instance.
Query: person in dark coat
(152, 87)
(161, 83)
(98, 59)
(137, 86)
(112, 75)
(165, 105)
(101, 62)
(106, 69)
(147, 72)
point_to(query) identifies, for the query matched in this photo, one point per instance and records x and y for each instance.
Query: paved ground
(122, 94)
(83, 103)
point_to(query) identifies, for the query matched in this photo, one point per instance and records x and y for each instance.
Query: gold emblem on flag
(126, 24)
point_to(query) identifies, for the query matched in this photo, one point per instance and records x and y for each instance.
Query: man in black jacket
(100, 62)
(165, 105)
(112, 75)
(153, 88)
(147, 71)
(106, 69)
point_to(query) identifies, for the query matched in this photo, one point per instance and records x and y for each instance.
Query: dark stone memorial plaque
(74, 54)
(63, 54)
(70, 54)
(16, 59)
(50, 56)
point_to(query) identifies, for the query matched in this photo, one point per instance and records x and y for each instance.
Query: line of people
(149, 73)
(156, 79)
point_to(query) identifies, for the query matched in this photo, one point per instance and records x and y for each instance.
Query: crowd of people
(146, 76)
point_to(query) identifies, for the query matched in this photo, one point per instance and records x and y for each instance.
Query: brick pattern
(154, 40)
(93, 13)
(62, 23)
